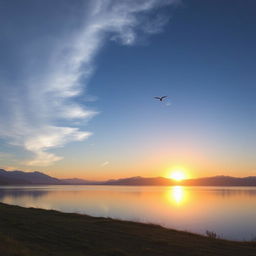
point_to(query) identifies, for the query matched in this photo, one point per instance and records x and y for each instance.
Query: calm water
(228, 211)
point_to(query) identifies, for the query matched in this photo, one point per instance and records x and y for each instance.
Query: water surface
(228, 211)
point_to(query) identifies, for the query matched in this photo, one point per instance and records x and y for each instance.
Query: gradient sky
(77, 81)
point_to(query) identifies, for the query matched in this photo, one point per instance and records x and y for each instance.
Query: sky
(78, 81)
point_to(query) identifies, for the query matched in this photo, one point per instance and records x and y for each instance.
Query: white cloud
(51, 137)
(48, 96)
(105, 164)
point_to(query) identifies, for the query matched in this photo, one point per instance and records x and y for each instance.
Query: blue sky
(78, 79)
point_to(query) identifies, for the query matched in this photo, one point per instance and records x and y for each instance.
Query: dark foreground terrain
(38, 232)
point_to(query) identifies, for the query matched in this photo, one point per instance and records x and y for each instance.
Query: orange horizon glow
(177, 174)
(147, 171)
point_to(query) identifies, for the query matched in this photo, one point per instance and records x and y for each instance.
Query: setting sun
(177, 175)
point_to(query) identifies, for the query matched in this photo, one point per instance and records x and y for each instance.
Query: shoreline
(33, 231)
(126, 185)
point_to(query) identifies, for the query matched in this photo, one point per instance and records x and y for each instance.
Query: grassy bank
(29, 231)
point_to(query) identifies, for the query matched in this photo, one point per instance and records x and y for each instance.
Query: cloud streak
(41, 110)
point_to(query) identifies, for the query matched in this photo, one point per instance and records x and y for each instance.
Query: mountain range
(38, 178)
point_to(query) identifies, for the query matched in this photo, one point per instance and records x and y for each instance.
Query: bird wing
(164, 97)
(157, 98)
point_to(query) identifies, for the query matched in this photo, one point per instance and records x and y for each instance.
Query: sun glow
(177, 175)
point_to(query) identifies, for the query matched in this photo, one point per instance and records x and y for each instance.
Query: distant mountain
(76, 181)
(6, 180)
(207, 181)
(221, 181)
(38, 178)
(26, 178)
(140, 181)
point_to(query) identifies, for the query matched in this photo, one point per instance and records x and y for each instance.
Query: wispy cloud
(104, 164)
(41, 111)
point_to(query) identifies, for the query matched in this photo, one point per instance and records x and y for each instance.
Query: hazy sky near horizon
(78, 80)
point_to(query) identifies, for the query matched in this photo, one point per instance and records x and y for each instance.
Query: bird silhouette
(161, 98)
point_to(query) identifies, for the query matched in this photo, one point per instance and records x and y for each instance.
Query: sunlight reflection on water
(176, 194)
(228, 211)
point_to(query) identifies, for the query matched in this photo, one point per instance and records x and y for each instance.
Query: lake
(228, 211)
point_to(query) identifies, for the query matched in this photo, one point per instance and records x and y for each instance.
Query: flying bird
(161, 98)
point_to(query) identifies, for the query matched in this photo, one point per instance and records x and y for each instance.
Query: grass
(211, 234)
(37, 232)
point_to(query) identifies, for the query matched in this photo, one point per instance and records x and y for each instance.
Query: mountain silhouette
(26, 178)
(38, 178)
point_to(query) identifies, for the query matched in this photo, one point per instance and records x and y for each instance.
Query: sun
(177, 175)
